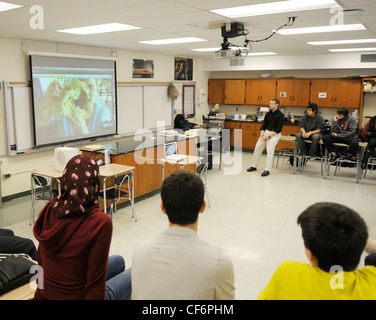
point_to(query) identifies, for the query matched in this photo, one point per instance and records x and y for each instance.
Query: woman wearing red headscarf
(74, 238)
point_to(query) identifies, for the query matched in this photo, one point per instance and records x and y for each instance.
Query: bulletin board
(186, 101)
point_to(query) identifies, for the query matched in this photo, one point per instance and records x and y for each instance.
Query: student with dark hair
(270, 134)
(334, 237)
(343, 130)
(369, 134)
(311, 126)
(177, 264)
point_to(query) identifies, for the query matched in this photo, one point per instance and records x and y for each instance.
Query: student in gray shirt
(177, 264)
(311, 126)
(343, 130)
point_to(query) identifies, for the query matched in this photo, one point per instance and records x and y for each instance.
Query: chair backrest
(40, 181)
(202, 167)
(122, 179)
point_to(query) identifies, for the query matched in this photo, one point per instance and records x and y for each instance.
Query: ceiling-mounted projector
(229, 53)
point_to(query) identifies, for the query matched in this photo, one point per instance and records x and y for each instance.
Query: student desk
(146, 154)
(187, 161)
(105, 172)
(113, 170)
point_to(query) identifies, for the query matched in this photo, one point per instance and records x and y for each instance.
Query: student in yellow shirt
(334, 238)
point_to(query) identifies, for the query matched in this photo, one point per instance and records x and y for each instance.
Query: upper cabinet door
(268, 90)
(348, 93)
(285, 91)
(216, 91)
(322, 92)
(293, 92)
(259, 91)
(234, 91)
(301, 92)
(252, 91)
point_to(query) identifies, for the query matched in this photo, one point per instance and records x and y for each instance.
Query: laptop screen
(170, 149)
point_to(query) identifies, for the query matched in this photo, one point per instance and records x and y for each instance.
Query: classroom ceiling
(164, 19)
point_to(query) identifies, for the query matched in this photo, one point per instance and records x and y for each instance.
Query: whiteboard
(23, 117)
(157, 107)
(140, 106)
(18, 117)
(2, 123)
(130, 109)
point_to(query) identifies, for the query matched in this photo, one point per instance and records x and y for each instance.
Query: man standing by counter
(269, 137)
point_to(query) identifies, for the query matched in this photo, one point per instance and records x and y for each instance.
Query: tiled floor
(252, 218)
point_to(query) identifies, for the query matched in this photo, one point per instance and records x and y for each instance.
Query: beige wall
(14, 66)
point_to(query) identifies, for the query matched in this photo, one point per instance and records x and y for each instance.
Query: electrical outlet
(6, 175)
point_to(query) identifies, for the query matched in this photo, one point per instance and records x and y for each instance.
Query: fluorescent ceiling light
(326, 43)
(4, 6)
(206, 49)
(261, 53)
(352, 49)
(172, 41)
(100, 28)
(234, 48)
(334, 28)
(275, 7)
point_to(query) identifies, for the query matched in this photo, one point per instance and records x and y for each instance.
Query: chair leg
(207, 195)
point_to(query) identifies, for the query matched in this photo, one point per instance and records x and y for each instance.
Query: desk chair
(41, 190)
(121, 190)
(371, 164)
(343, 160)
(202, 170)
(289, 151)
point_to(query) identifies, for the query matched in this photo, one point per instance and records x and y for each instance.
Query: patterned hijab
(80, 187)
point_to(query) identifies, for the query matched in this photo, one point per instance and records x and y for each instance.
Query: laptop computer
(171, 152)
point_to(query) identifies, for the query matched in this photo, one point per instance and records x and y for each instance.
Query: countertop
(134, 143)
(288, 123)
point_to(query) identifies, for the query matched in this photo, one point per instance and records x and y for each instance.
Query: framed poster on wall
(143, 68)
(183, 69)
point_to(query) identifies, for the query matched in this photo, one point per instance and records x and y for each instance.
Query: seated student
(74, 241)
(334, 238)
(177, 264)
(369, 134)
(311, 126)
(9, 243)
(181, 123)
(343, 130)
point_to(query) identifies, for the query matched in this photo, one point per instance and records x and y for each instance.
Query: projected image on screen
(73, 99)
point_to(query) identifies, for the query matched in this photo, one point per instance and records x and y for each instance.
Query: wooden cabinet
(327, 93)
(243, 134)
(235, 132)
(293, 92)
(250, 134)
(216, 91)
(259, 91)
(234, 92)
(227, 91)
(335, 93)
